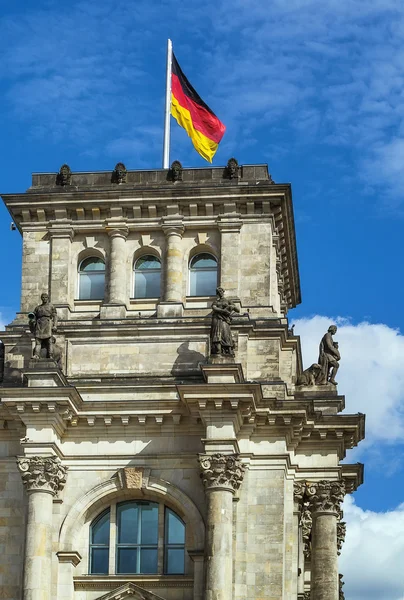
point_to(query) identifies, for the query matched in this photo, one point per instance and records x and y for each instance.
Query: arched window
(91, 279)
(99, 544)
(147, 277)
(140, 548)
(203, 275)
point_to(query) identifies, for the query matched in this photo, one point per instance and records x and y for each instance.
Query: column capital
(173, 228)
(325, 496)
(115, 232)
(42, 474)
(299, 489)
(221, 471)
(61, 232)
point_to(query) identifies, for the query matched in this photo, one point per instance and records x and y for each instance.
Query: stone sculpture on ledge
(119, 174)
(43, 323)
(64, 176)
(308, 377)
(221, 340)
(328, 359)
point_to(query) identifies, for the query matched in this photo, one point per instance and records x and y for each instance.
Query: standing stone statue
(43, 323)
(221, 341)
(328, 358)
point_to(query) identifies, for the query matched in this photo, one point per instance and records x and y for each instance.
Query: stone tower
(134, 462)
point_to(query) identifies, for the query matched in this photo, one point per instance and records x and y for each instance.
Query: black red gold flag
(191, 113)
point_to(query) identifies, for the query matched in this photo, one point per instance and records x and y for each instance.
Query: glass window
(138, 544)
(137, 537)
(174, 558)
(91, 279)
(99, 544)
(147, 277)
(203, 275)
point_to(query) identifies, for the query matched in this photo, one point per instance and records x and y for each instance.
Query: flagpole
(166, 143)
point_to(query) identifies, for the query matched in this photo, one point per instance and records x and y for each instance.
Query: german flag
(191, 113)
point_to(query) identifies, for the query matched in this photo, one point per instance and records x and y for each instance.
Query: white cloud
(371, 373)
(372, 556)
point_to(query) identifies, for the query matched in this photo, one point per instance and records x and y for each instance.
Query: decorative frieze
(325, 496)
(42, 473)
(225, 471)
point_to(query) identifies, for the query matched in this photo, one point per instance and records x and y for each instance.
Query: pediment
(130, 591)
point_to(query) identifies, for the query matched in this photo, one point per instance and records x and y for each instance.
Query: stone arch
(93, 502)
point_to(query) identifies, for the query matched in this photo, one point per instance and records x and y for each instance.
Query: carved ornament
(325, 496)
(45, 474)
(221, 471)
(306, 523)
(232, 169)
(341, 531)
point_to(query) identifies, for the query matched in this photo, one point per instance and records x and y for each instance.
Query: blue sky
(314, 88)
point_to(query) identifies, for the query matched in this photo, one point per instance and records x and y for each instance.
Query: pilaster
(229, 226)
(115, 307)
(61, 241)
(172, 306)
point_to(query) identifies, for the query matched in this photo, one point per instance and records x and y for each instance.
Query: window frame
(135, 270)
(80, 273)
(202, 269)
(162, 540)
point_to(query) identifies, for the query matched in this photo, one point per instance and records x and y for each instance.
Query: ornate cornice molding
(221, 471)
(42, 474)
(325, 496)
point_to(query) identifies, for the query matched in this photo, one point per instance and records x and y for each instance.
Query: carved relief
(64, 176)
(41, 473)
(325, 496)
(134, 478)
(221, 471)
(299, 488)
(306, 523)
(119, 174)
(341, 531)
(341, 585)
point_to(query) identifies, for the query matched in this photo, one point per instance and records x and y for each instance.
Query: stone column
(174, 260)
(172, 305)
(325, 498)
(117, 267)
(61, 240)
(229, 228)
(43, 477)
(222, 475)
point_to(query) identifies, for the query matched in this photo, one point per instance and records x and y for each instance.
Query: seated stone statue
(308, 377)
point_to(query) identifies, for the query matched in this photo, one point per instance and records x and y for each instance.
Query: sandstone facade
(141, 414)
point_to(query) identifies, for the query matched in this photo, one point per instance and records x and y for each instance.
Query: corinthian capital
(42, 473)
(299, 489)
(224, 471)
(325, 496)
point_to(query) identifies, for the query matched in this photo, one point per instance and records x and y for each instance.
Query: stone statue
(64, 175)
(43, 323)
(232, 168)
(119, 174)
(329, 356)
(221, 341)
(308, 377)
(176, 171)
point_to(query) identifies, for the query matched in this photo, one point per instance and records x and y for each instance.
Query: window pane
(148, 262)
(175, 561)
(91, 286)
(128, 524)
(99, 561)
(175, 529)
(148, 560)
(100, 530)
(203, 260)
(127, 560)
(149, 524)
(203, 283)
(147, 284)
(92, 264)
